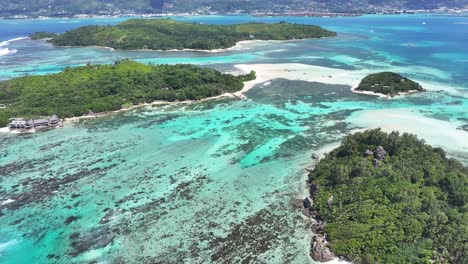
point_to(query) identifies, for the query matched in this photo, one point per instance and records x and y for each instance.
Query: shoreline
(323, 14)
(239, 94)
(389, 119)
(328, 75)
(313, 222)
(381, 95)
(240, 45)
(302, 72)
(70, 120)
(443, 134)
(266, 73)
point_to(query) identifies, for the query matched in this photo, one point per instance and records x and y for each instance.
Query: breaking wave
(6, 51)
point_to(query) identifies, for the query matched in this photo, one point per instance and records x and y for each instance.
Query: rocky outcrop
(317, 226)
(368, 153)
(297, 203)
(320, 251)
(313, 188)
(308, 202)
(376, 163)
(95, 239)
(380, 153)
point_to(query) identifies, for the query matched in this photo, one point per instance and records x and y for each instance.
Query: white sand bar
(303, 72)
(435, 132)
(311, 73)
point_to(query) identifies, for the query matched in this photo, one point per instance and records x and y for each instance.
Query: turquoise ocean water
(212, 182)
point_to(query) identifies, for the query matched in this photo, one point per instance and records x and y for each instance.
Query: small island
(168, 34)
(101, 88)
(388, 84)
(389, 198)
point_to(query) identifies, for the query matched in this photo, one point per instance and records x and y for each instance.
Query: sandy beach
(241, 45)
(311, 73)
(302, 72)
(308, 73)
(436, 132)
(290, 71)
(441, 133)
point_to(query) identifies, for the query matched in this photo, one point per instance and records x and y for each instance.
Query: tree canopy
(388, 83)
(165, 34)
(100, 88)
(42, 35)
(408, 207)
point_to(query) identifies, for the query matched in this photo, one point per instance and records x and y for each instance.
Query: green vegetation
(42, 35)
(409, 207)
(388, 83)
(100, 88)
(164, 34)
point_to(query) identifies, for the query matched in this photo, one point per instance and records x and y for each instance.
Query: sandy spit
(311, 73)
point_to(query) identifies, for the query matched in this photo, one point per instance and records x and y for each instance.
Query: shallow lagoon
(212, 182)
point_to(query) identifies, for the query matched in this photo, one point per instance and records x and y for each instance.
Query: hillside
(66, 8)
(166, 34)
(101, 88)
(391, 198)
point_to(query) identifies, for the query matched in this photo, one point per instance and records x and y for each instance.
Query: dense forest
(165, 34)
(388, 83)
(99, 7)
(100, 88)
(391, 198)
(42, 35)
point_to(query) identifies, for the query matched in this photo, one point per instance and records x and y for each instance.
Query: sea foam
(5, 245)
(6, 51)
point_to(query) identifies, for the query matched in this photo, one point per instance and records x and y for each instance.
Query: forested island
(168, 34)
(100, 88)
(390, 198)
(388, 83)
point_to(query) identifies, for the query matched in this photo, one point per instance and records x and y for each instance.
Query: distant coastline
(461, 13)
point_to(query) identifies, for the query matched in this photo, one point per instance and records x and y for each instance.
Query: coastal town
(158, 8)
